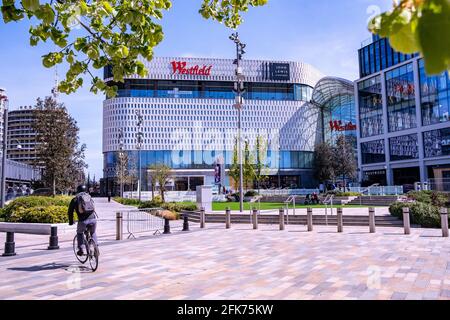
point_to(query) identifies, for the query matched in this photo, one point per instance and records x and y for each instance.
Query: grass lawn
(222, 206)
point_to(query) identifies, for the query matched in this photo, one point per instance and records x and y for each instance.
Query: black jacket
(73, 206)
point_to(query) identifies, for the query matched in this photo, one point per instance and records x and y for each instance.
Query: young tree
(57, 150)
(93, 34)
(261, 169)
(121, 170)
(249, 167)
(162, 174)
(235, 170)
(323, 162)
(344, 159)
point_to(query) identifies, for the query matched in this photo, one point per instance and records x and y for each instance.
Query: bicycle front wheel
(85, 256)
(93, 255)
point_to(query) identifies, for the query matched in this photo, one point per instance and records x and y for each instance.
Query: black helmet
(81, 188)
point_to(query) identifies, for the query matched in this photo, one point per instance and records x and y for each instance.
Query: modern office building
(403, 119)
(190, 124)
(21, 135)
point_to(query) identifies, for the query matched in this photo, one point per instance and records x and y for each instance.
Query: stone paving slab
(239, 263)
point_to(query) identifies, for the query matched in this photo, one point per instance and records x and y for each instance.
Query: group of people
(312, 199)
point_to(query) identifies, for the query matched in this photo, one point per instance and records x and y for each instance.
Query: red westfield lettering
(181, 67)
(337, 126)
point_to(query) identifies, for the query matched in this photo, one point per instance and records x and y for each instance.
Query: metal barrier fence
(378, 190)
(141, 221)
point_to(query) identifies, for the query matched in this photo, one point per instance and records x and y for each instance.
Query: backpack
(85, 203)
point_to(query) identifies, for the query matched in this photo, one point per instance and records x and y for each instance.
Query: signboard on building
(181, 67)
(279, 71)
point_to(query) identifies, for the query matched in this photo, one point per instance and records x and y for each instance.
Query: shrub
(50, 214)
(19, 204)
(169, 215)
(179, 207)
(251, 193)
(127, 202)
(423, 214)
(434, 198)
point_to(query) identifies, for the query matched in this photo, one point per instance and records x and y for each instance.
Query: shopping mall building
(403, 119)
(189, 122)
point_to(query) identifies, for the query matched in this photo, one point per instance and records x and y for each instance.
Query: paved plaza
(240, 263)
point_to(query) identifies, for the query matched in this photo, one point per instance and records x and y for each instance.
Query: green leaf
(31, 5)
(405, 40)
(434, 36)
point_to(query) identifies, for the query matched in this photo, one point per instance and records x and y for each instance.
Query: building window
(434, 96)
(401, 98)
(370, 107)
(404, 147)
(373, 152)
(436, 143)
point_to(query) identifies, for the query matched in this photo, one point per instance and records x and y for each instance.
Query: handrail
(328, 201)
(287, 202)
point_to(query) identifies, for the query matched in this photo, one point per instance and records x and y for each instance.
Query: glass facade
(373, 152)
(378, 56)
(340, 118)
(142, 88)
(404, 147)
(370, 107)
(434, 96)
(436, 143)
(205, 160)
(401, 103)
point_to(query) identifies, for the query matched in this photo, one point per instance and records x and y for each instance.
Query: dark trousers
(81, 228)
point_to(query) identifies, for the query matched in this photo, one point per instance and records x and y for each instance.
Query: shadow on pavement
(44, 267)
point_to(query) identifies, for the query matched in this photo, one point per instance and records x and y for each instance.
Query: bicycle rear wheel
(93, 255)
(85, 256)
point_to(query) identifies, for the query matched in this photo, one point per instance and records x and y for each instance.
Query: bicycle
(91, 253)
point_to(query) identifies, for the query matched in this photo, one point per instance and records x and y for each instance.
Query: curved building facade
(189, 122)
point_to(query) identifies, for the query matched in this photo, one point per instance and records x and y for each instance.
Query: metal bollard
(166, 226)
(255, 219)
(10, 245)
(406, 221)
(228, 218)
(119, 226)
(444, 222)
(53, 241)
(202, 218)
(185, 222)
(372, 227)
(309, 218)
(281, 219)
(340, 220)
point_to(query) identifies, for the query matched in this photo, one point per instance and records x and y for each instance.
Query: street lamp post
(4, 99)
(121, 159)
(239, 90)
(139, 148)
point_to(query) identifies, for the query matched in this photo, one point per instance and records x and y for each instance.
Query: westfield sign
(181, 67)
(338, 126)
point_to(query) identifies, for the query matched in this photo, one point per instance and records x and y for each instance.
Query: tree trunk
(54, 185)
(161, 191)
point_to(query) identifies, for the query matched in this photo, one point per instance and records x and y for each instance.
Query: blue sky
(324, 33)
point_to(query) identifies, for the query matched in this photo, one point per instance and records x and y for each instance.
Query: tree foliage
(323, 162)
(344, 159)
(261, 169)
(57, 146)
(161, 174)
(418, 26)
(94, 34)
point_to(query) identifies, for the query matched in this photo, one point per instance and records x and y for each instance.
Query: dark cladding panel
(279, 71)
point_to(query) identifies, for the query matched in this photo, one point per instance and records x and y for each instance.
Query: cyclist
(83, 205)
